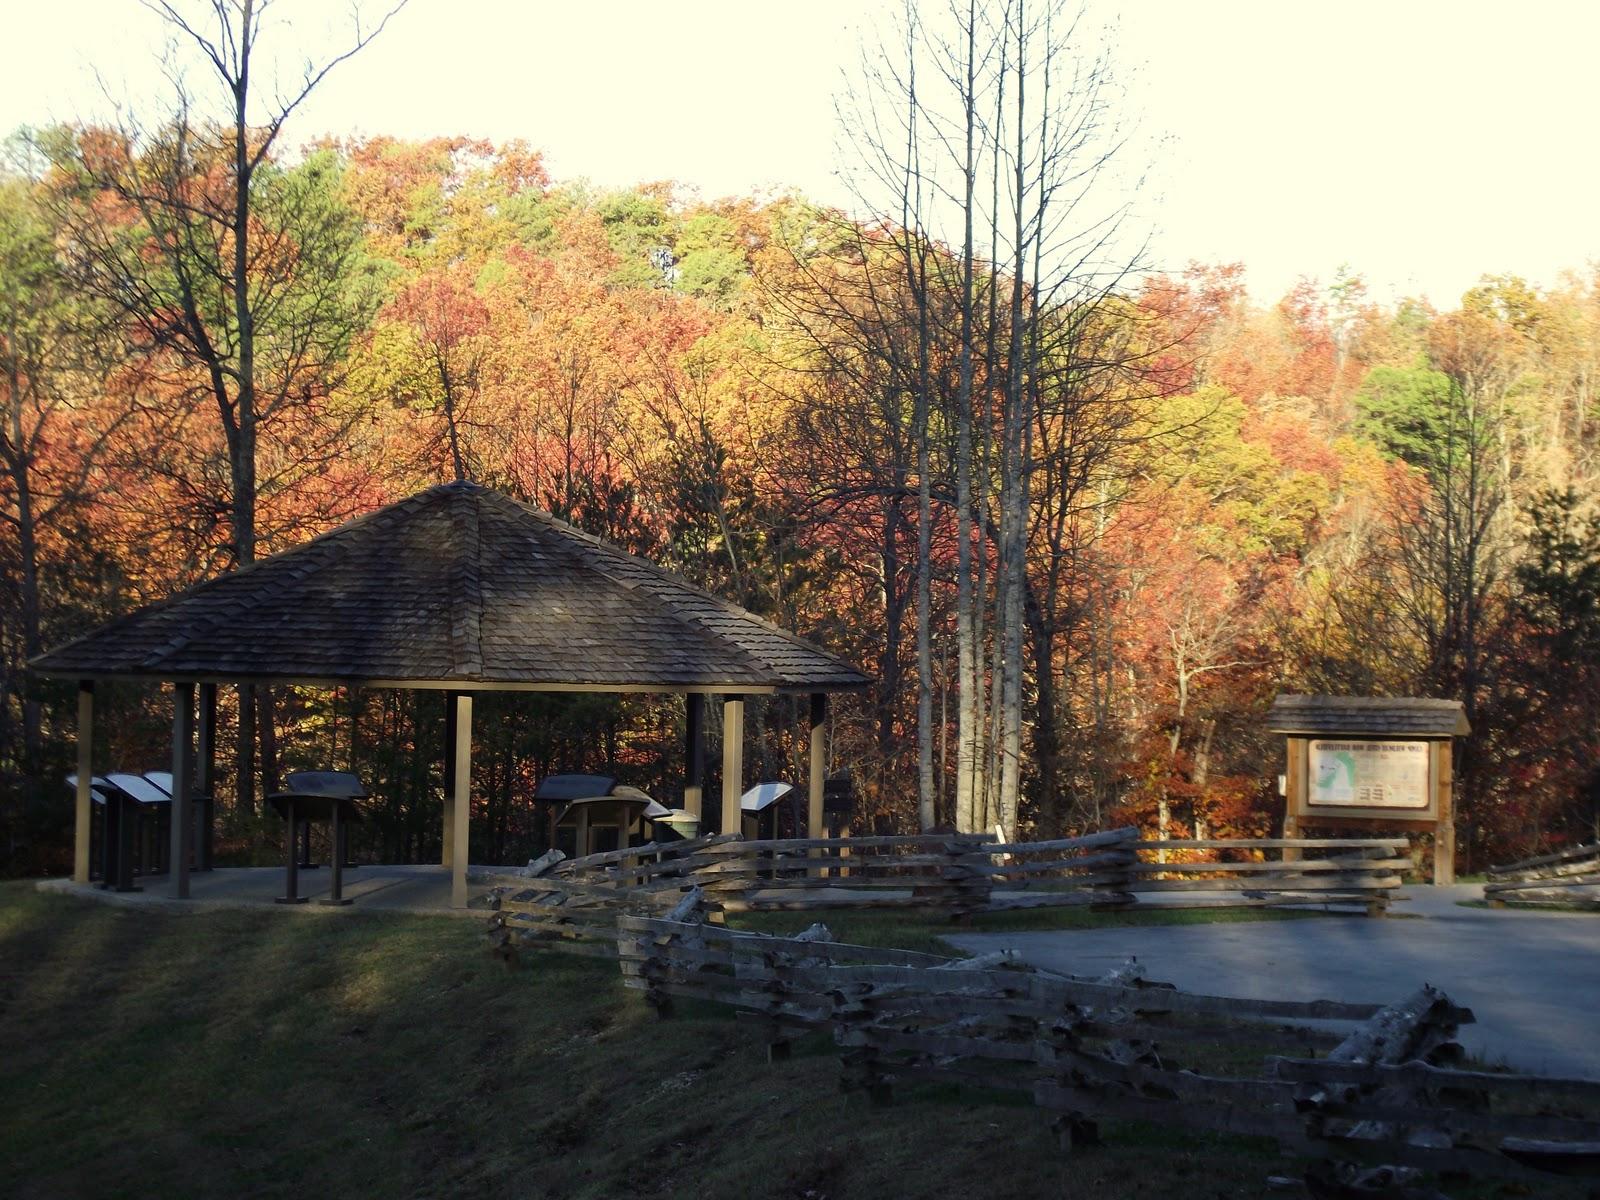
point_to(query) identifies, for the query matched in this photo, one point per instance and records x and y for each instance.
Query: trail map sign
(1363, 774)
(1376, 763)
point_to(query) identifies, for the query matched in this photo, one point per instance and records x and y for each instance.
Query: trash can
(679, 825)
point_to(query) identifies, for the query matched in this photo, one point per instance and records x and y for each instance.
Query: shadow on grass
(276, 1054)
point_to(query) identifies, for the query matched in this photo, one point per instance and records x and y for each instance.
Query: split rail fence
(576, 900)
(1568, 879)
(1118, 1046)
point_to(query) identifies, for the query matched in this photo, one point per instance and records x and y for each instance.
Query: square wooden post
(819, 764)
(461, 791)
(1444, 834)
(205, 780)
(182, 787)
(694, 753)
(1295, 797)
(83, 809)
(732, 761)
(448, 824)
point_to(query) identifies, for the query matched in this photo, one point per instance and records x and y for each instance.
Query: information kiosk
(1356, 760)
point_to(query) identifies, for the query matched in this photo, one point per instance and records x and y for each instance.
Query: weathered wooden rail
(1568, 878)
(1119, 1046)
(574, 904)
(960, 875)
(1344, 871)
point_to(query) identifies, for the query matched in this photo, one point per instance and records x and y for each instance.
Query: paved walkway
(1531, 978)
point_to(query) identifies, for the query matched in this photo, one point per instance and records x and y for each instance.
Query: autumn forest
(1079, 519)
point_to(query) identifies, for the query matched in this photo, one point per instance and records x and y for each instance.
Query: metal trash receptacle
(679, 825)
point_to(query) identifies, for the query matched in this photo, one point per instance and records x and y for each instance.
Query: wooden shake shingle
(458, 587)
(1371, 716)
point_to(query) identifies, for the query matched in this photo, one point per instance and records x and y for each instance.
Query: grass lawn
(910, 931)
(360, 1054)
(1514, 906)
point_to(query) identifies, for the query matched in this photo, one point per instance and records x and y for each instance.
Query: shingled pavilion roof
(456, 587)
(1369, 716)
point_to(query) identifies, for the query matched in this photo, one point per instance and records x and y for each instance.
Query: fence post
(970, 889)
(1377, 900)
(1118, 891)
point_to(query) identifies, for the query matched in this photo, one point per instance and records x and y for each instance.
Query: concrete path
(394, 888)
(1531, 978)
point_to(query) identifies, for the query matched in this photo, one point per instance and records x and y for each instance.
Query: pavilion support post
(819, 764)
(694, 784)
(205, 780)
(83, 809)
(244, 757)
(732, 761)
(449, 822)
(461, 790)
(182, 787)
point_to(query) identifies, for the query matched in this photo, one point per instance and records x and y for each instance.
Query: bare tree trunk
(245, 751)
(1039, 159)
(925, 812)
(268, 730)
(244, 448)
(1014, 502)
(242, 445)
(447, 389)
(55, 347)
(28, 552)
(914, 250)
(893, 612)
(990, 598)
(1046, 740)
(967, 648)
(1202, 771)
(206, 240)
(942, 806)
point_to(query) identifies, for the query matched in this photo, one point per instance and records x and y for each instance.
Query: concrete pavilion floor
(394, 888)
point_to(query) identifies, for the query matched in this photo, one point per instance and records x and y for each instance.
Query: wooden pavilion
(456, 589)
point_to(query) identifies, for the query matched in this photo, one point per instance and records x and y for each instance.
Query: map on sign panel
(1369, 774)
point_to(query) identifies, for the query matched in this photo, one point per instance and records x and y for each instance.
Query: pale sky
(1424, 143)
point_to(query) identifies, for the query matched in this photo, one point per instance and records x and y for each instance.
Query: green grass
(913, 931)
(357, 1054)
(1514, 906)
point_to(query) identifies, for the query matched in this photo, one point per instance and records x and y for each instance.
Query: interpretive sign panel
(1367, 774)
(1374, 762)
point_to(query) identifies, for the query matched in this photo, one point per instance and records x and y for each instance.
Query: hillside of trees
(1079, 535)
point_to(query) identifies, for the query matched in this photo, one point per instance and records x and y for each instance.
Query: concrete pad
(397, 888)
(1532, 979)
